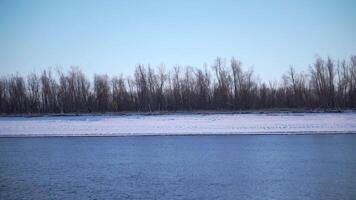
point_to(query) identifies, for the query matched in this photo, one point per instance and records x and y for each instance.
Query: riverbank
(207, 112)
(179, 124)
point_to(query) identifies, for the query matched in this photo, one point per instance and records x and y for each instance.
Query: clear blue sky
(113, 36)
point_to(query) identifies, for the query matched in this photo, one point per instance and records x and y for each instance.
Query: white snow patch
(179, 124)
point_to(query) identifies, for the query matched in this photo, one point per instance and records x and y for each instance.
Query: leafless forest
(224, 85)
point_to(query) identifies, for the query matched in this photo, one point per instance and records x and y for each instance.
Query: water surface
(179, 167)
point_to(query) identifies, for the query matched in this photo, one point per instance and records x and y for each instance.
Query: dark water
(179, 167)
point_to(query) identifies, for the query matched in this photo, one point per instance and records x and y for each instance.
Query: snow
(179, 124)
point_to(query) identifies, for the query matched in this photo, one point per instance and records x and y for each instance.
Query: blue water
(179, 167)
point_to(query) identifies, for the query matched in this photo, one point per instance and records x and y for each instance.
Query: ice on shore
(179, 124)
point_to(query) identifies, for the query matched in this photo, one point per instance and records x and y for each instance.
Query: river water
(179, 167)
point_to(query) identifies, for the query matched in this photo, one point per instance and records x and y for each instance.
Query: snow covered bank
(179, 124)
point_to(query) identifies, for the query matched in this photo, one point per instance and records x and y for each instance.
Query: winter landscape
(178, 100)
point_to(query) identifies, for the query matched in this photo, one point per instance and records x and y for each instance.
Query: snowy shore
(179, 124)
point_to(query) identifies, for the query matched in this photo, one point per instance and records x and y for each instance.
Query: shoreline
(197, 112)
(181, 135)
(256, 123)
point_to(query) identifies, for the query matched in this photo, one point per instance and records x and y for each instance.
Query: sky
(114, 36)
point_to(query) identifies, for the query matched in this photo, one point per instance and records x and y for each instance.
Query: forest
(224, 85)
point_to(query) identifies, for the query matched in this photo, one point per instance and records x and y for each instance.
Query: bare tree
(49, 89)
(237, 80)
(330, 82)
(222, 87)
(120, 96)
(352, 82)
(102, 92)
(327, 85)
(17, 94)
(3, 95)
(33, 84)
(202, 88)
(160, 94)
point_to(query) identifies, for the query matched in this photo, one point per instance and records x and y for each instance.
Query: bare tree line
(223, 86)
